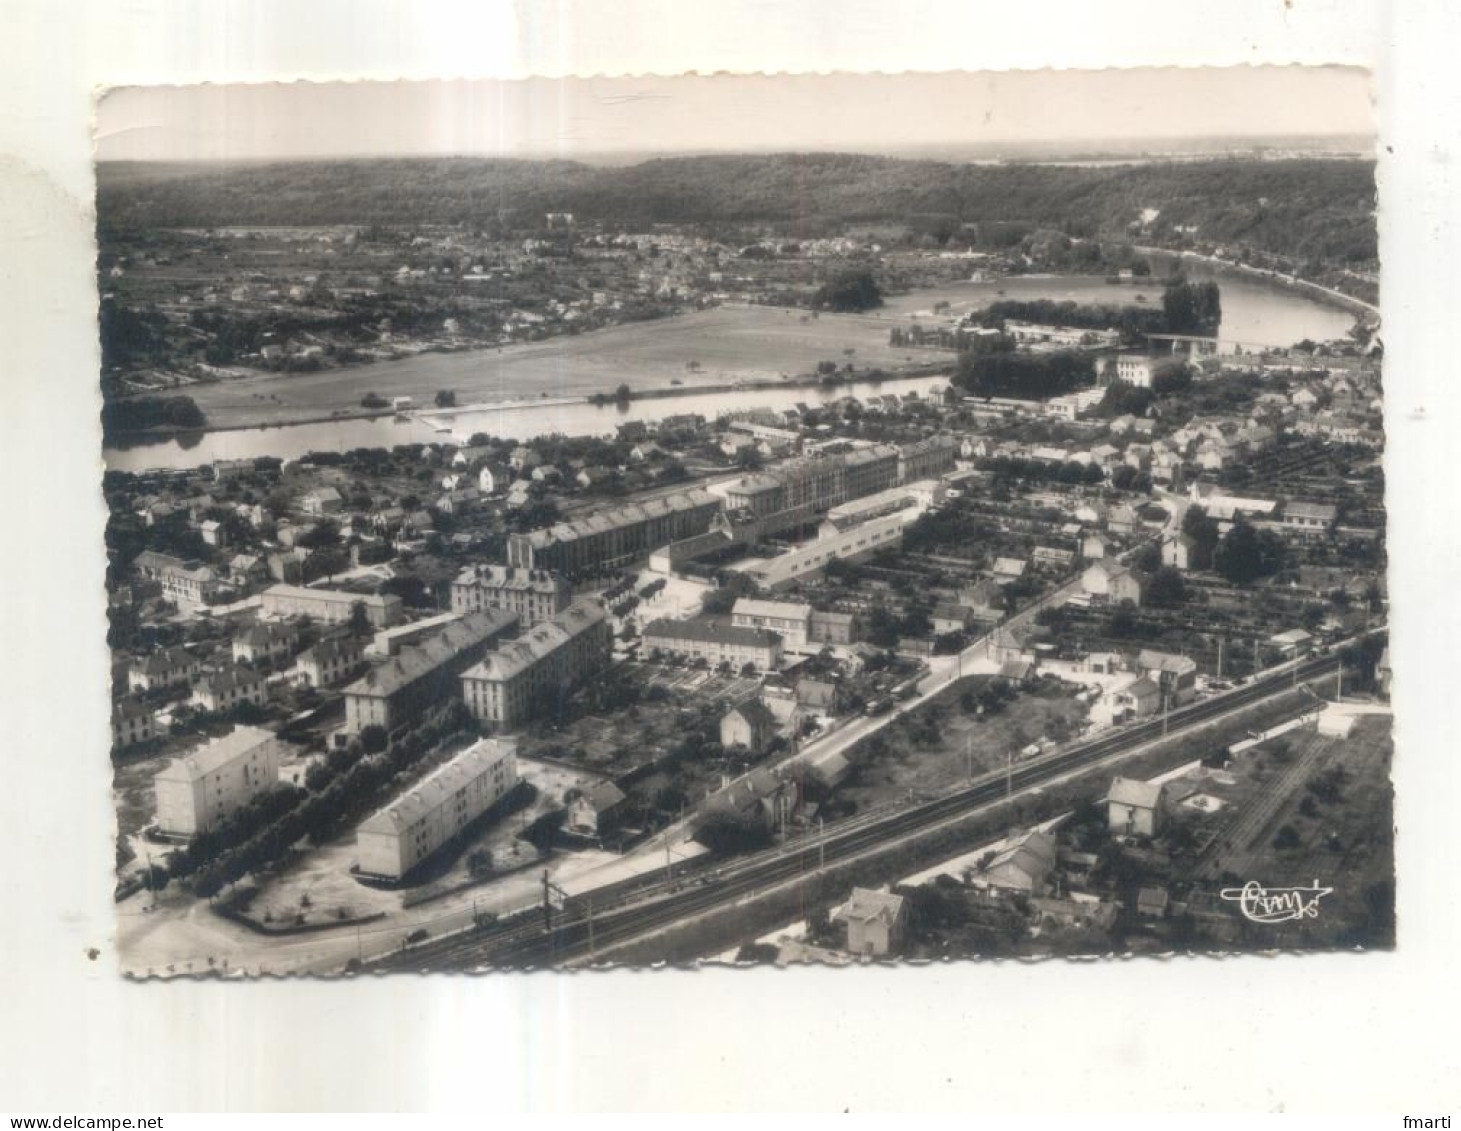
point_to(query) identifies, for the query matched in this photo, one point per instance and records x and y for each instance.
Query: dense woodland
(1308, 209)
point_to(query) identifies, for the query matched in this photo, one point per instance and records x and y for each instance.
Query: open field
(905, 760)
(1339, 808)
(731, 344)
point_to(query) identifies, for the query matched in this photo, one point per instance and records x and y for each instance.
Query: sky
(609, 117)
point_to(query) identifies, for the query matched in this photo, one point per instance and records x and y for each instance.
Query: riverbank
(431, 414)
(1316, 290)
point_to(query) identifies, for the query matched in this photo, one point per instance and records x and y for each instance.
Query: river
(514, 422)
(1254, 311)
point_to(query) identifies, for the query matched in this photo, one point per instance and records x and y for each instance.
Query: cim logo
(1276, 905)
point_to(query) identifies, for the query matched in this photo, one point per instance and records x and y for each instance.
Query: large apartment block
(551, 658)
(422, 675)
(202, 788)
(927, 459)
(535, 595)
(816, 483)
(397, 838)
(854, 544)
(330, 606)
(613, 537)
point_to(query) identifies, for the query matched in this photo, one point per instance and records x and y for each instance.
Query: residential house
(1177, 551)
(523, 459)
(1022, 866)
(823, 696)
(591, 813)
(1135, 808)
(1175, 676)
(592, 478)
(1310, 519)
(1139, 699)
(244, 568)
(229, 688)
(332, 660)
(875, 922)
(761, 796)
(320, 502)
(1109, 582)
(1122, 519)
(832, 628)
(950, 617)
(749, 724)
(165, 667)
(265, 643)
(1151, 902)
(131, 723)
(1009, 569)
(1016, 672)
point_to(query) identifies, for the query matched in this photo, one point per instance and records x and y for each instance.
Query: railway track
(581, 930)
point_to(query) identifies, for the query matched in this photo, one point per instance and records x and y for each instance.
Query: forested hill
(1305, 208)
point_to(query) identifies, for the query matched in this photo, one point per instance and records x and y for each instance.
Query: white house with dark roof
(875, 922)
(1135, 808)
(131, 723)
(229, 688)
(331, 660)
(588, 812)
(1109, 581)
(750, 724)
(163, 668)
